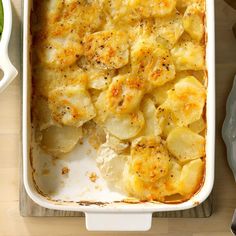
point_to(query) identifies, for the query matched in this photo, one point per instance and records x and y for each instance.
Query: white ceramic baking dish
(104, 209)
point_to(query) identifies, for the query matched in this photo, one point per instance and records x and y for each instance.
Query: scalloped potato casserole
(129, 76)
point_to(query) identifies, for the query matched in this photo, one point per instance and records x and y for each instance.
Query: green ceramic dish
(1, 17)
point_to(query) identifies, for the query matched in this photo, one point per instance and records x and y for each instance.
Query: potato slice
(45, 80)
(116, 144)
(149, 8)
(160, 93)
(149, 163)
(159, 190)
(149, 112)
(125, 126)
(169, 185)
(182, 4)
(183, 106)
(99, 79)
(120, 15)
(187, 100)
(188, 56)
(60, 48)
(85, 16)
(107, 49)
(125, 93)
(150, 159)
(198, 126)
(101, 108)
(80, 17)
(133, 185)
(130, 10)
(170, 28)
(193, 21)
(152, 61)
(166, 120)
(71, 105)
(191, 177)
(94, 133)
(185, 145)
(60, 140)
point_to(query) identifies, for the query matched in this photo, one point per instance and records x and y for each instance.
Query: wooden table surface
(12, 224)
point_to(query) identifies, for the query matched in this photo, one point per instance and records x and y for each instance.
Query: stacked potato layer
(135, 72)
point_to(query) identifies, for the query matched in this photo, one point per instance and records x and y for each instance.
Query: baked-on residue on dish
(134, 73)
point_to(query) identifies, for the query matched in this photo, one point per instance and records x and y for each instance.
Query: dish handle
(138, 221)
(8, 69)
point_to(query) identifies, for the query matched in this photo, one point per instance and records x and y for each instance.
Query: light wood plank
(9, 148)
(9, 184)
(10, 109)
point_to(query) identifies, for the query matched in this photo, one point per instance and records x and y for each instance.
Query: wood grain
(12, 224)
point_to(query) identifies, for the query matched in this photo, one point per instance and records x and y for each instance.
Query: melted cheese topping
(71, 105)
(135, 70)
(107, 49)
(153, 61)
(125, 93)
